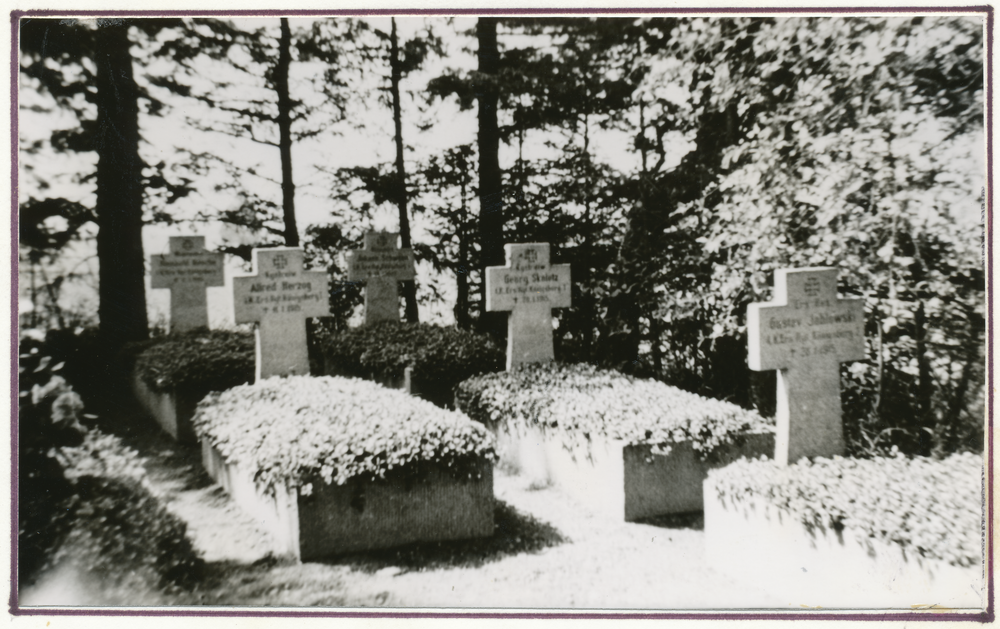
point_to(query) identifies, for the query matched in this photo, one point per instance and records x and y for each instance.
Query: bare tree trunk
(409, 286)
(491, 219)
(462, 319)
(122, 292)
(285, 134)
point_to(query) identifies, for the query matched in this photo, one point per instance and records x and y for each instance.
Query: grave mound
(632, 448)
(171, 374)
(332, 465)
(887, 532)
(439, 357)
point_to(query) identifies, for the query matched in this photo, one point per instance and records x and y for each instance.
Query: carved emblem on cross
(804, 333)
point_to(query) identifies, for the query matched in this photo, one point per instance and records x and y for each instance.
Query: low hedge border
(206, 360)
(581, 400)
(439, 356)
(293, 430)
(922, 504)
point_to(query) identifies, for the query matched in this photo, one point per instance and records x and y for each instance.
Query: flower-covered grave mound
(443, 355)
(933, 507)
(199, 360)
(582, 401)
(297, 429)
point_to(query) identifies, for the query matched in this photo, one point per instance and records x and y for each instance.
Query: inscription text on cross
(805, 332)
(279, 297)
(529, 287)
(381, 266)
(187, 271)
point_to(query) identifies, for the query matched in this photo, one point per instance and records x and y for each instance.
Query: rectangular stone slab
(620, 481)
(755, 543)
(361, 515)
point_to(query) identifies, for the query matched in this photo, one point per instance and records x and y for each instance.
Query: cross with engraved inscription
(804, 333)
(279, 297)
(381, 266)
(187, 271)
(529, 287)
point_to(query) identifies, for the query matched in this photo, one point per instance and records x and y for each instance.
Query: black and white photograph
(520, 313)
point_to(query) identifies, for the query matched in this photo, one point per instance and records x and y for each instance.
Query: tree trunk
(285, 134)
(949, 430)
(620, 341)
(462, 318)
(491, 240)
(588, 317)
(409, 286)
(122, 292)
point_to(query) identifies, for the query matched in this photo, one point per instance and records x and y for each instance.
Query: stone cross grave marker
(380, 265)
(186, 272)
(279, 297)
(529, 287)
(805, 333)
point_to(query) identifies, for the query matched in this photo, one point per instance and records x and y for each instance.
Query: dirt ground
(547, 552)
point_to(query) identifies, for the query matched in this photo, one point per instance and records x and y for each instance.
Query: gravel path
(547, 552)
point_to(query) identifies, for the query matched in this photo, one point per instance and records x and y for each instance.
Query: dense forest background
(675, 163)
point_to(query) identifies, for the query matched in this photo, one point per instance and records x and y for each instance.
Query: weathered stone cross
(187, 271)
(381, 266)
(279, 297)
(805, 332)
(529, 287)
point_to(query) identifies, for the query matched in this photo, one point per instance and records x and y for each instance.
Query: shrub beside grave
(895, 529)
(217, 359)
(565, 423)
(337, 464)
(122, 534)
(439, 357)
(84, 502)
(171, 374)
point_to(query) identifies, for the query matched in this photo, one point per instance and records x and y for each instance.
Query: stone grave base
(361, 515)
(757, 544)
(172, 410)
(611, 478)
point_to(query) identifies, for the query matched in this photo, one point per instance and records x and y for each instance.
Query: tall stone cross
(529, 287)
(279, 296)
(805, 333)
(381, 266)
(187, 271)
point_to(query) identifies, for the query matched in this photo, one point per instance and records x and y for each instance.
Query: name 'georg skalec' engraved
(532, 287)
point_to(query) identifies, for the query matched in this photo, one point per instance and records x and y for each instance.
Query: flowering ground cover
(297, 429)
(201, 360)
(441, 357)
(923, 504)
(580, 400)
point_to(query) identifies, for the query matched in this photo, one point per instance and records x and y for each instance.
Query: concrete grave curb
(618, 480)
(361, 515)
(755, 542)
(173, 410)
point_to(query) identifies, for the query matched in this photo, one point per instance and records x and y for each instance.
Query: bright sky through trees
(364, 139)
